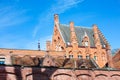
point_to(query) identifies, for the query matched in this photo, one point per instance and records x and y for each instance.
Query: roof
(56, 62)
(80, 33)
(115, 51)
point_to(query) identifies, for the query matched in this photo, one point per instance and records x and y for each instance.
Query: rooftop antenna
(38, 45)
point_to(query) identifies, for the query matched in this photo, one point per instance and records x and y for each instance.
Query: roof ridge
(77, 26)
(117, 50)
(64, 25)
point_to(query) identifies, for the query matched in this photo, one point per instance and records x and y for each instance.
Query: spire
(38, 45)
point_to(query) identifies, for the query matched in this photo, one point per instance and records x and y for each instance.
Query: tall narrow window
(62, 48)
(70, 55)
(95, 56)
(87, 56)
(79, 55)
(103, 56)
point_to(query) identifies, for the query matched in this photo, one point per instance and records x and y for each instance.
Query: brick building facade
(80, 42)
(75, 53)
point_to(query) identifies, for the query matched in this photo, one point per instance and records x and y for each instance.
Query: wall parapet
(53, 73)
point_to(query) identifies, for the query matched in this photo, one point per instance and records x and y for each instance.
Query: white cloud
(59, 7)
(9, 16)
(63, 5)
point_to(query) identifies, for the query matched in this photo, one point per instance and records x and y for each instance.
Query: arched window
(58, 38)
(62, 48)
(80, 55)
(70, 55)
(87, 56)
(85, 41)
(56, 31)
(95, 56)
(54, 41)
(103, 56)
(58, 48)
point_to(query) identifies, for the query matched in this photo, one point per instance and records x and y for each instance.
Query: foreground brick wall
(116, 59)
(37, 73)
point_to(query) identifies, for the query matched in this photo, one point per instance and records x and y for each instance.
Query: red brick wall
(36, 73)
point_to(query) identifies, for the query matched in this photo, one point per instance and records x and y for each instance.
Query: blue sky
(24, 22)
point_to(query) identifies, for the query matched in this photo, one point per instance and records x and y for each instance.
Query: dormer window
(104, 45)
(95, 56)
(68, 43)
(86, 43)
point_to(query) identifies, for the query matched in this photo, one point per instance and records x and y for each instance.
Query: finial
(85, 34)
(56, 18)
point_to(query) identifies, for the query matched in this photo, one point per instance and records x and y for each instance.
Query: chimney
(56, 19)
(95, 28)
(72, 26)
(48, 44)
